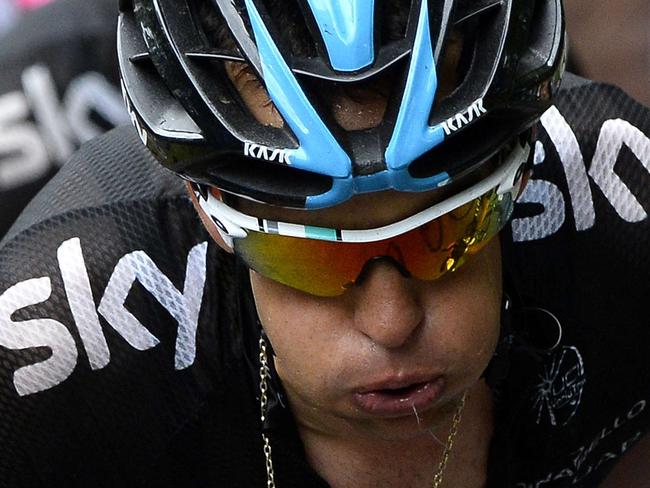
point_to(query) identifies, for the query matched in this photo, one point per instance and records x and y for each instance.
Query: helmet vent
(467, 9)
(453, 65)
(465, 64)
(221, 58)
(395, 16)
(543, 39)
(213, 28)
(289, 21)
(343, 103)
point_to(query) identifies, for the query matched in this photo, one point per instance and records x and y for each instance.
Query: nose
(387, 309)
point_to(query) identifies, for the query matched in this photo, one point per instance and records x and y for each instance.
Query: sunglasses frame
(232, 224)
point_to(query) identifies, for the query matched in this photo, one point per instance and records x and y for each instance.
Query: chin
(432, 421)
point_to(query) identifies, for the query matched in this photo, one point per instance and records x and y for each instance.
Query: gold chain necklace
(453, 430)
(270, 480)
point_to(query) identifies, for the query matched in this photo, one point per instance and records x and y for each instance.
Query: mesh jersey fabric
(127, 339)
(58, 88)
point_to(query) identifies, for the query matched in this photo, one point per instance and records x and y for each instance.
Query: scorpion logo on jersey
(561, 386)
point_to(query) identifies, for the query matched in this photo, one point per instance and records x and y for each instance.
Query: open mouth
(400, 401)
(402, 392)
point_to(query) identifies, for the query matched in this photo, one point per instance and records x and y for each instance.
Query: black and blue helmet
(190, 115)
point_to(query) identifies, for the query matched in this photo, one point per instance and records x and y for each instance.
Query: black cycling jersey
(128, 342)
(58, 88)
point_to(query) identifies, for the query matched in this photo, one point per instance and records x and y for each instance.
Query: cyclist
(364, 319)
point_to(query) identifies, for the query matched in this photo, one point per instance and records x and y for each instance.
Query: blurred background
(610, 41)
(11, 9)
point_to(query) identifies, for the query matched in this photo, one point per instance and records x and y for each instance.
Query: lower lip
(393, 404)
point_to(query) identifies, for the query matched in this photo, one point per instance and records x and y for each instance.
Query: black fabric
(571, 81)
(169, 413)
(591, 272)
(58, 87)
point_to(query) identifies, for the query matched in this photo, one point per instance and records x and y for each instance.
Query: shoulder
(578, 249)
(591, 180)
(592, 167)
(110, 305)
(590, 108)
(114, 170)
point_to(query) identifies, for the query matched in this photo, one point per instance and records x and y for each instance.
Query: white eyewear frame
(232, 224)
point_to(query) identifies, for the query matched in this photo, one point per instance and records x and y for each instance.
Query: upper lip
(397, 381)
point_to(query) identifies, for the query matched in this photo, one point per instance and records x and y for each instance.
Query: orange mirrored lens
(327, 268)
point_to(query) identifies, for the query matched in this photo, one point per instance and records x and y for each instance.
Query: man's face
(339, 357)
(390, 357)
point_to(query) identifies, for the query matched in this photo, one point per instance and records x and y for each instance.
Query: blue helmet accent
(318, 150)
(401, 180)
(398, 180)
(347, 28)
(342, 189)
(412, 135)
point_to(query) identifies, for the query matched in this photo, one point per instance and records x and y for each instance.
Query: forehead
(361, 212)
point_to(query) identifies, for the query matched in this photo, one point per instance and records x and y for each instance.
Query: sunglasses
(326, 262)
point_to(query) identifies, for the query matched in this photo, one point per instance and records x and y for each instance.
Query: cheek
(465, 313)
(316, 345)
(299, 327)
